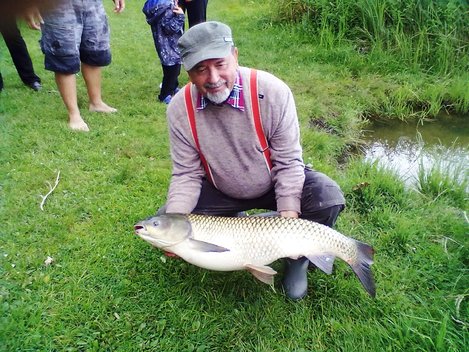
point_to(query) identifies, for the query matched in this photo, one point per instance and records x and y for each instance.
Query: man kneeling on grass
(235, 144)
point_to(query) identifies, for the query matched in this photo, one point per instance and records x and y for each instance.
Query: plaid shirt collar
(235, 99)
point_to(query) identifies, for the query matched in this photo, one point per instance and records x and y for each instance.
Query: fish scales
(239, 235)
(252, 242)
(262, 238)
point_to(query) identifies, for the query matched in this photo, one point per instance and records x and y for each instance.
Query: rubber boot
(295, 279)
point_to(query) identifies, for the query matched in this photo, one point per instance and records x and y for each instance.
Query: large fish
(252, 242)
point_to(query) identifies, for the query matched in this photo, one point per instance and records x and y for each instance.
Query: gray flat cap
(206, 40)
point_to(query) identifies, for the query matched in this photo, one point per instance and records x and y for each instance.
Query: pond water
(408, 147)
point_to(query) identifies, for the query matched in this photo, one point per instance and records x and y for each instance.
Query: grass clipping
(51, 189)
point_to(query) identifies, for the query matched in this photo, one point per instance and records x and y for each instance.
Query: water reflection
(407, 147)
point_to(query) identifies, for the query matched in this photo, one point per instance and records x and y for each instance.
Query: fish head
(164, 231)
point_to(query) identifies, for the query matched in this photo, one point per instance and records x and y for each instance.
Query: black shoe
(36, 86)
(295, 279)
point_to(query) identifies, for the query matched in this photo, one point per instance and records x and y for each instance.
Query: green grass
(107, 290)
(446, 179)
(412, 35)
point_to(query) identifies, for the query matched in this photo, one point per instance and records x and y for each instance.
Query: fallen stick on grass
(51, 189)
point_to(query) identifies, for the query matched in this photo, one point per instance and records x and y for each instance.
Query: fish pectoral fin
(263, 273)
(325, 262)
(206, 246)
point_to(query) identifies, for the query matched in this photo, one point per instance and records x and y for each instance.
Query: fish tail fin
(362, 269)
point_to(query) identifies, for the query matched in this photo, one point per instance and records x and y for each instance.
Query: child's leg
(170, 81)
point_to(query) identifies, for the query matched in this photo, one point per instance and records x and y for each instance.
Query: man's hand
(289, 214)
(33, 18)
(119, 6)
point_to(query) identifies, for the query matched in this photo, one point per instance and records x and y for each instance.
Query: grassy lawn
(107, 290)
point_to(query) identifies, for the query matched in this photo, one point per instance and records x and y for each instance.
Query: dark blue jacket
(167, 27)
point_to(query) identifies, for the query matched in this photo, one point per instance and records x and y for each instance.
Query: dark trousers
(321, 200)
(18, 50)
(170, 81)
(196, 11)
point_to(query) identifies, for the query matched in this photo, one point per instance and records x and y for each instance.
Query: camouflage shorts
(74, 31)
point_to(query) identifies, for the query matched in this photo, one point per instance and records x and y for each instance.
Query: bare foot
(101, 107)
(77, 124)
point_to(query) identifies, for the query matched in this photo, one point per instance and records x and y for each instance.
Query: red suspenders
(191, 117)
(255, 114)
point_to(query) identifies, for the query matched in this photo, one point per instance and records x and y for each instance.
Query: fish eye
(156, 223)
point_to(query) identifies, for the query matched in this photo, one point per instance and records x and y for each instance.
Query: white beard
(219, 97)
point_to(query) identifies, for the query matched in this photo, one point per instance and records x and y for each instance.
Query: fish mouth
(138, 228)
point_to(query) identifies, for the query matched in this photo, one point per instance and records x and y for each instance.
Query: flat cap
(206, 40)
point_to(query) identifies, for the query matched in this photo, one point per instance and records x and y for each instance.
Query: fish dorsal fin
(325, 262)
(263, 273)
(206, 246)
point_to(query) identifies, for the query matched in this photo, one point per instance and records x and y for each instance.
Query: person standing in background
(166, 19)
(75, 35)
(19, 53)
(196, 10)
